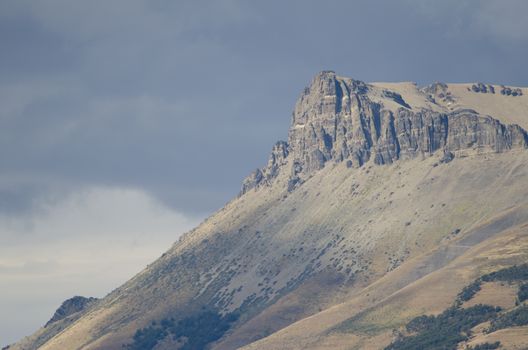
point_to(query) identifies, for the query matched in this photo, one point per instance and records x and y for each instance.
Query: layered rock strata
(341, 119)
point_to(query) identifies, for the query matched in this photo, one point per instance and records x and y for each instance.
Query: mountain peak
(341, 119)
(70, 307)
(329, 239)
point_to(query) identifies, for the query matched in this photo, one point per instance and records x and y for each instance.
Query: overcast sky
(124, 123)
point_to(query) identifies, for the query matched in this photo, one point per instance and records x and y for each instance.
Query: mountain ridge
(342, 119)
(311, 230)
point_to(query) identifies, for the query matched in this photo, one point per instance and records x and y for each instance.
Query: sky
(124, 123)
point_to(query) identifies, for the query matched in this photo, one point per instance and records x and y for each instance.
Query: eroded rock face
(335, 119)
(483, 88)
(438, 92)
(70, 307)
(330, 122)
(276, 160)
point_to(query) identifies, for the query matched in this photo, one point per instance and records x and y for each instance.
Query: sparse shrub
(453, 326)
(148, 337)
(510, 274)
(516, 317)
(444, 331)
(469, 291)
(420, 323)
(522, 295)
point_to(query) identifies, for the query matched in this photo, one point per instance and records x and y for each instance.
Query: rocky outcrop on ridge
(276, 160)
(341, 119)
(70, 307)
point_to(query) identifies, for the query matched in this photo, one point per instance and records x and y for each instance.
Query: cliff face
(341, 119)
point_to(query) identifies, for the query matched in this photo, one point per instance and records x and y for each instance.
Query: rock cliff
(70, 307)
(341, 119)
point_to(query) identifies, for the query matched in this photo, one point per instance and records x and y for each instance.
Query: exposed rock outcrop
(337, 119)
(276, 160)
(483, 88)
(70, 307)
(505, 90)
(438, 92)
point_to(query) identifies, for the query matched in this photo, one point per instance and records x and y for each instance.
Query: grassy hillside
(369, 321)
(280, 257)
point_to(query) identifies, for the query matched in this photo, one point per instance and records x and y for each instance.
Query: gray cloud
(86, 242)
(185, 98)
(500, 22)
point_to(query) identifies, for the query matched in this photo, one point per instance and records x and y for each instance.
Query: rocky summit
(70, 307)
(338, 119)
(392, 209)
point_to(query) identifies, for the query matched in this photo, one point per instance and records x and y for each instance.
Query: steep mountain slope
(381, 191)
(69, 311)
(369, 319)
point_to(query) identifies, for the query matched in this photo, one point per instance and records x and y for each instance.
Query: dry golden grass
(429, 295)
(500, 294)
(515, 338)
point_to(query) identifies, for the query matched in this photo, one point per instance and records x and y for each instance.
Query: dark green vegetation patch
(453, 326)
(486, 346)
(194, 332)
(509, 274)
(523, 292)
(444, 331)
(513, 318)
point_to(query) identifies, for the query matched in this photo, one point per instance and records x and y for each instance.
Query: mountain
(386, 200)
(71, 307)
